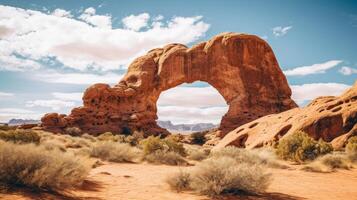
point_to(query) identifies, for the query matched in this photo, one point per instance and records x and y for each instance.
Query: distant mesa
(18, 122)
(186, 128)
(333, 119)
(242, 68)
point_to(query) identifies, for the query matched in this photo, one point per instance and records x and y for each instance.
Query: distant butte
(242, 67)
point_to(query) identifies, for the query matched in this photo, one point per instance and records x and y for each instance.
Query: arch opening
(186, 108)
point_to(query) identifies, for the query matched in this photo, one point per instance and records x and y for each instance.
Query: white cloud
(6, 94)
(61, 13)
(307, 92)
(54, 104)
(312, 69)
(74, 96)
(9, 113)
(77, 78)
(191, 97)
(136, 22)
(281, 31)
(86, 42)
(190, 115)
(347, 70)
(100, 21)
(191, 105)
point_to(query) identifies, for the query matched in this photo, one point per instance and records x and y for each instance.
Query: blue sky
(50, 51)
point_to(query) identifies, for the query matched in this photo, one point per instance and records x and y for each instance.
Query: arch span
(243, 69)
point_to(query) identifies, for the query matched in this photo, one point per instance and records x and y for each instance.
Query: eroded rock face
(334, 119)
(241, 67)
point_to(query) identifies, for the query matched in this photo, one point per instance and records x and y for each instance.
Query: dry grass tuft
(115, 152)
(20, 136)
(328, 163)
(28, 165)
(165, 157)
(179, 181)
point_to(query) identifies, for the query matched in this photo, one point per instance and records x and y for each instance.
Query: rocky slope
(243, 69)
(333, 119)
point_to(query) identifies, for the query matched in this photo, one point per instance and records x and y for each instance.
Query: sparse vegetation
(197, 154)
(198, 137)
(28, 165)
(74, 131)
(220, 175)
(351, 148)
(328, 163)
(114, 152)
(165, 157)
(20, 136)
(153, 144)
(179, 181)
(300, 147)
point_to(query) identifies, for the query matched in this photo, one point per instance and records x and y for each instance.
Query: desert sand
(146, 181)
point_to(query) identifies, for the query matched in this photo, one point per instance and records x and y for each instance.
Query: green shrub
(32, 166)
(179, 181)
(114, 152)
(165, 157)
(74, 131)
(198, 138)
(220, 175)
(300, 147)
(153, 144)
(20, 136)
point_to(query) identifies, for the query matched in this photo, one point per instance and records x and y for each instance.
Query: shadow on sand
(264, 196)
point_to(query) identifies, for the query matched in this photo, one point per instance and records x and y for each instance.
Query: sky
(50, 51)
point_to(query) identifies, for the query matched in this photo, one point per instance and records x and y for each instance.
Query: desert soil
(146, 181)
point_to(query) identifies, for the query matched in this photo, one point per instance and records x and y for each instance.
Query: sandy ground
(145, 181)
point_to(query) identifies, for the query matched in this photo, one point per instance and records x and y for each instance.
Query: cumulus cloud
(74, 96)
(136, 22)
(347, 70)
(61, 13)
(191, 105)
(279, 31)
(312, 69)
(308, 92)
(77, 78)
(6, 94)
(54, 104)
(85, 42)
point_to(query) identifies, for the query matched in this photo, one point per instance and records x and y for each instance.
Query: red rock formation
(241, 67)
(333, 119)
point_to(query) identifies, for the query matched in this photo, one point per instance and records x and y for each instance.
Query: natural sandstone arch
(241, 67)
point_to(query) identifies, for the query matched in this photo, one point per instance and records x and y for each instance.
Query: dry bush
(179, 181)
(300, 147)
(108, 136)
(328, 163)
(77, 142)
(199, 137)
(28, 165)
(114, 152)
(165, 157)
(153, 144)
(351, 149)
(257, 156)
(20, 136)
(196, 153)
(7, 127)
(74, 131)
(89, 137)
(219, 175)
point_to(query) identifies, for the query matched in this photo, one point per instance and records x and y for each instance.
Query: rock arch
(242, 68)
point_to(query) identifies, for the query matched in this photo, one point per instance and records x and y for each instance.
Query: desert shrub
(300, 147)
(20, 136)
(179, 181)
(135, 138)
(220, 175)
(114, 152)
(328, 163)
(256, 156)
(108, 136)
(6, 127)
(77, 142)
(89, 137)
(351, 146)
(28, 165)
(153, 144)
(165, 157)
(198, 137)
(74, 131)
(197, 154)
